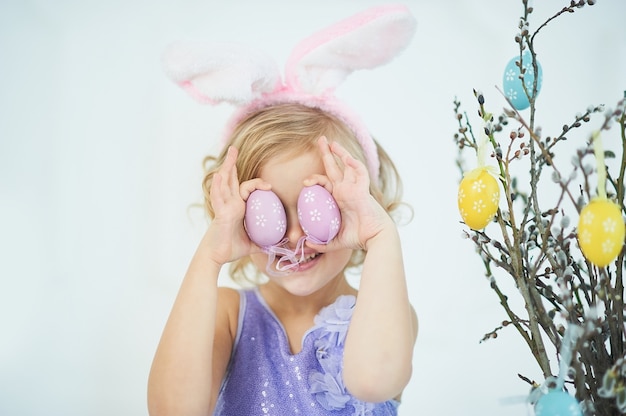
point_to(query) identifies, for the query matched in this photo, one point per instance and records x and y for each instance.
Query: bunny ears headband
(213, 73)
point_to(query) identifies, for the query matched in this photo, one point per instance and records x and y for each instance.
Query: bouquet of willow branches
(554, 225)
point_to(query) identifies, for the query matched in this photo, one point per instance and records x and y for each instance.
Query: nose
(294, 230)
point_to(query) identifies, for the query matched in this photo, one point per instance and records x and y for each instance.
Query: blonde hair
(290, 129)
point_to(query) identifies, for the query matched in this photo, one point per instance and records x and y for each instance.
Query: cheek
(259, 260)
(337, 260)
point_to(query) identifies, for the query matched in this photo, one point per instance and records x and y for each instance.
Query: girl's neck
(282, 302)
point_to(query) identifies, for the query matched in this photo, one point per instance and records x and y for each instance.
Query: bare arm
(195, 347)
(379, 344)
(181, 379)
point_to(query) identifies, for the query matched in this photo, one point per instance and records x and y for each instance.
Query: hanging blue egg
(557, 403)
(512, 84)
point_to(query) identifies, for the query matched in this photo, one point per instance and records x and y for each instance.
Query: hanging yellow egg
(601, 231)
(478, 198)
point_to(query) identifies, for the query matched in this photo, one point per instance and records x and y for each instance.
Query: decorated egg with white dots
(514, 87)
(557, 403)
(601, 231)
(265, 220)
(318, 214)
(478, 198)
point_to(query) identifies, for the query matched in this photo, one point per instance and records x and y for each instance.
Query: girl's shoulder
(228, 308)
(228, 294)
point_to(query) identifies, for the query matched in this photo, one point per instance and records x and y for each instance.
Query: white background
(100, 162)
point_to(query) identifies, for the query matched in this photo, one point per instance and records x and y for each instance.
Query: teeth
(310, 257)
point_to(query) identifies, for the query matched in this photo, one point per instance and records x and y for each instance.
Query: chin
(306, 279)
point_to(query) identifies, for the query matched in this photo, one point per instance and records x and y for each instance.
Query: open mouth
(310, 257)
(290, 264)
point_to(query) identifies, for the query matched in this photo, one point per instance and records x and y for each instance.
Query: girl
(301, 341)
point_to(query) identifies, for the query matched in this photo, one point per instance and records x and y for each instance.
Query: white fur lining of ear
(220, 72)
(321, 62)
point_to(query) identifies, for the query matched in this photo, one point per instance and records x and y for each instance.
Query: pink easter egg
(318, 214)
(265, 220)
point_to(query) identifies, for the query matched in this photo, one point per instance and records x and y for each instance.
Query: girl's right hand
(226, 237)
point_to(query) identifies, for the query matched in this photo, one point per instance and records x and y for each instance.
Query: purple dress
(264, 378)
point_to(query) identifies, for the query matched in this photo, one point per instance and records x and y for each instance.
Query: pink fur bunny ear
(215, 73)
(369, 39)
(220, 72)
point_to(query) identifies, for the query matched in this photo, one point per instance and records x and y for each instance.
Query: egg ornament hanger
(601, 227)
(479, 192)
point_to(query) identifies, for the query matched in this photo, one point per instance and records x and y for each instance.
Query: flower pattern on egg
(315, 215)
(609, 225)
(601, 231)
(514, 88)
(255, 204)
(479, 205)
(585, 237)
(478, 197)
(264, 220)
(478, 186)
(331, 203)
(261, 220)
(509, 75)
(309, 196)
(587, 218)
(511, 94)
(607, 246)
(318, 214)
(461, 195)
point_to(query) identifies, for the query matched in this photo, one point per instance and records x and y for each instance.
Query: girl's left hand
(362, 216)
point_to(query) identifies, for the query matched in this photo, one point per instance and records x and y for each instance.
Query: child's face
(286, 175)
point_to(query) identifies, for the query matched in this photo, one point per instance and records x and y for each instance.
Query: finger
(215, 191)
(318, 179)
(354, 169)
(320, 248)
(225, 173)
(349, 173)
(332, 245)
(220, 192)
(231, 159)
(333, 171)
(247, 187)
(345, 156)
